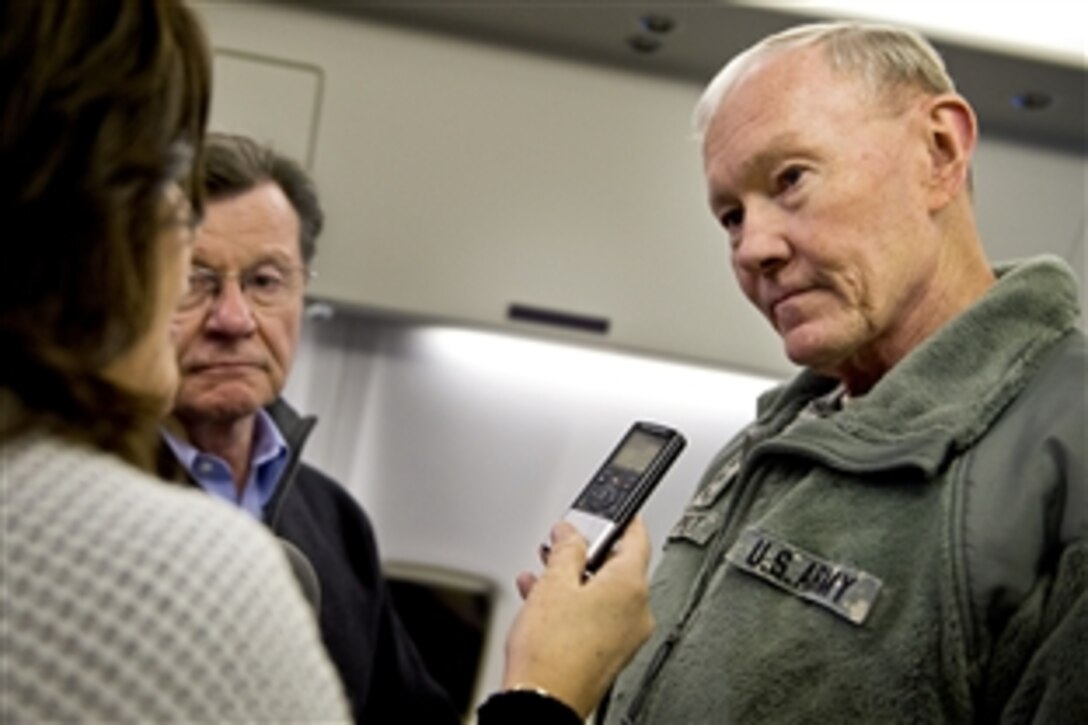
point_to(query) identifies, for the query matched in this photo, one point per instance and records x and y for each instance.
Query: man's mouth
(786, 296)
(225, 366)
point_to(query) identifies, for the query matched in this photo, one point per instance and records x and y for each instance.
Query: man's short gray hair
(887, 58)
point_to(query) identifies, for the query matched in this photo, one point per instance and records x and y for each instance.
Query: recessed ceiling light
(643, 43)
(1032, 100)
(657, 23)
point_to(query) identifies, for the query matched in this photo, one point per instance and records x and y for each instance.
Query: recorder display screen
(637, 452)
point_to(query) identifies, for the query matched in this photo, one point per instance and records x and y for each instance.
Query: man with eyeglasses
(236, 330)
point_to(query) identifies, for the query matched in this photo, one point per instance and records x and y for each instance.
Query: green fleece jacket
(917, 555)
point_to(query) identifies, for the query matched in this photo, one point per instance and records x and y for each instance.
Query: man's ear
(952, 132)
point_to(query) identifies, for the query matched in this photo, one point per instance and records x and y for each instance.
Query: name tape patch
(846, 591)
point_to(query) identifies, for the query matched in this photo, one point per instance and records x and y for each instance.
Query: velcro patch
(846, 591)
(697, 526)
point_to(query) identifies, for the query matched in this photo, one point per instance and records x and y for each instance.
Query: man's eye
(266, 280)
(202, 280)
(731, 219)
(789, 178)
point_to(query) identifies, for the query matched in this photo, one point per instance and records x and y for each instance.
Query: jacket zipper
(725, 537)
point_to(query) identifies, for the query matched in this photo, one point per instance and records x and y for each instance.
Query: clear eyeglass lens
(265, 286)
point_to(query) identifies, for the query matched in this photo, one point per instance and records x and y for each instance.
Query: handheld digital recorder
(617, 491)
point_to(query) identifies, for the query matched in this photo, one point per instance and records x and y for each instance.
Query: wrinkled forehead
(745, 68)
(741, 67)
(775, 85)
(790, 104)
(248, 228)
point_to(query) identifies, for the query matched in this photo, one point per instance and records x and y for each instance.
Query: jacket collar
(296, 430)
(945, 394)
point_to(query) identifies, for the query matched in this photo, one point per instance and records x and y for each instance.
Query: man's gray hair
(236, 164)
(889, 59)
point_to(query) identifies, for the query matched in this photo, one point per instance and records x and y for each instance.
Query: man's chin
(221, 409)
(811, 351)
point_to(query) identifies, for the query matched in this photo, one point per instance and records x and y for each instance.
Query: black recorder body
(617, 491)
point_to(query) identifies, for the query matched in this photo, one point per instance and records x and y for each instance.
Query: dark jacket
(382, 672)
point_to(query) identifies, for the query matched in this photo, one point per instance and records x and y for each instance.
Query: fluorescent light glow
(580, 370)
(1053, 30)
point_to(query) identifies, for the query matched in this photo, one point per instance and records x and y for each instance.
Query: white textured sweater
(123, 599)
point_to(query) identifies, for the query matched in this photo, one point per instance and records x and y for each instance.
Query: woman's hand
(573, 635)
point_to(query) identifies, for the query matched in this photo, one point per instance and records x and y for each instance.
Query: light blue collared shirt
(213, 474)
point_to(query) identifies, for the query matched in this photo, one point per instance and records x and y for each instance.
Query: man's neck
(231, 440)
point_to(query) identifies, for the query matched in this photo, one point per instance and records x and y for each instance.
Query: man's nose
(762, 245)
(231, 313)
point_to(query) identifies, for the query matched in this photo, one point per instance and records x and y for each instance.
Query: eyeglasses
(266, 285)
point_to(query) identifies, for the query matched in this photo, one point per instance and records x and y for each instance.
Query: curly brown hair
(105, 106)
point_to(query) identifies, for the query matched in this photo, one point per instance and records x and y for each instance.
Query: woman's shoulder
(164, 590)
(51, 477)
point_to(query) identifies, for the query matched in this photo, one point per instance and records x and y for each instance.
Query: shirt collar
(267, 460)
